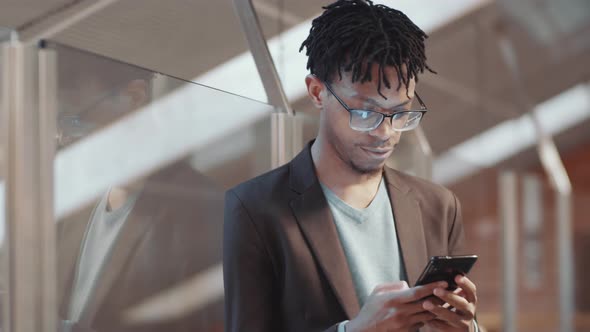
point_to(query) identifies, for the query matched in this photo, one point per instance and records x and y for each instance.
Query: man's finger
(420, 318)
(444, 314)
(416, 327)
(436, 300)
(438, 324)
(459, 291)
(468, 288)
(409, 309)
(459, 303)
(416, 293)
(393, 286)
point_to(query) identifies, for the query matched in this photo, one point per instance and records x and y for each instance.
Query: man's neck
(118, 196)
(355, 188)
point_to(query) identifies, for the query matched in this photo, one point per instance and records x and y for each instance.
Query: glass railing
(213, 52)
(140, 174)
(4, 34)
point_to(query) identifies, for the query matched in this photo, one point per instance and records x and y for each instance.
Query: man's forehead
(390, 73)
(369, 92)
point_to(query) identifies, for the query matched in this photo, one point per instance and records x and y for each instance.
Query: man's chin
(368, 169)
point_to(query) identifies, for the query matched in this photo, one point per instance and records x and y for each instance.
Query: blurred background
(141, 113)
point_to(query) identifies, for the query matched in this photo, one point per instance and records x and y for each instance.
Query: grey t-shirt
(101, 234)
(369, 241)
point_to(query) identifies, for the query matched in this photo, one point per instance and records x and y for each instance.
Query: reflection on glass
(145, 253)
(217, 55)
(135, 258)
(94, 91)
(4, 34)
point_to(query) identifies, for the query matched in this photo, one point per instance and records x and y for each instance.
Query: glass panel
(184, 40)
(140, 191)
(4, 34)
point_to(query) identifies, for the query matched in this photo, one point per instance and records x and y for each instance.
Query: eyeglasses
(367, 120)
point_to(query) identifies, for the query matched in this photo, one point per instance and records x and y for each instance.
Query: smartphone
(446, 268)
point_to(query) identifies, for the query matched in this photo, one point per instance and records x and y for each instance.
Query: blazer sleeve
(456, 240)
(251, 297)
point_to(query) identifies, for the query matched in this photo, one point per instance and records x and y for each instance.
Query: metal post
(565, 260)
(423, 166)
(279, 154)
(4, 268)
(29, 191)
(286, 135)
(47, 146)
(509, 218)
(284, 130)
(532, 217)
(262, 57)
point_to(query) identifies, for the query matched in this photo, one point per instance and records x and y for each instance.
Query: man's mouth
(378, 153)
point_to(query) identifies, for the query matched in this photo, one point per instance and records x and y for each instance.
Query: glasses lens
(405, 121)
(364, 120)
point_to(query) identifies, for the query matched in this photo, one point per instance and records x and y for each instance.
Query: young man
(331, 241)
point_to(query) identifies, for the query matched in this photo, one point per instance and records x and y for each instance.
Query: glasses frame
(422, 110)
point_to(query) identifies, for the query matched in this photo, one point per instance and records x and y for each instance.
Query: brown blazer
(173, 232)
(284, 266)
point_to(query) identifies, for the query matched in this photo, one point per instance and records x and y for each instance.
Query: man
(332, 240)
(140, 241)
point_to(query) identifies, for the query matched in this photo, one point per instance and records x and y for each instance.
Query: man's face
(363, 152)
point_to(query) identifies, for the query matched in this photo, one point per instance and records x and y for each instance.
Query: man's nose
(385, 130)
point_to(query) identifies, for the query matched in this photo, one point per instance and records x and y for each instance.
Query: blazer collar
(302, 171)
(408, 224)
(312, 213)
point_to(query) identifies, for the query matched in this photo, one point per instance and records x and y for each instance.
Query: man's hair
(352, 35)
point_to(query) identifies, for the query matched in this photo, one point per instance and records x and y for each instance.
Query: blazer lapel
(136, 225)
(408, 224)
(313, 215)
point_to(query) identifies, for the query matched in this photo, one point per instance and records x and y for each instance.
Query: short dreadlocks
(352, 35)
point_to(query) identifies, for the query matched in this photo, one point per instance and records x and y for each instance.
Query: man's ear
(315, 87)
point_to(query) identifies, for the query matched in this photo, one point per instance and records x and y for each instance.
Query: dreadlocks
(352, 35)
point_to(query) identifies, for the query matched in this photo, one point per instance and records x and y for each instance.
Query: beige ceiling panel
(16, 13)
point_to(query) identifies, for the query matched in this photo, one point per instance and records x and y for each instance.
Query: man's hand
(455, 310)
(394, 307)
